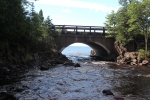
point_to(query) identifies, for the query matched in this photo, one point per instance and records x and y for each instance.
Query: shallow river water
(82, 83)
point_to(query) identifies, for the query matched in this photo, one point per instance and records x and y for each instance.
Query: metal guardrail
(80, 30)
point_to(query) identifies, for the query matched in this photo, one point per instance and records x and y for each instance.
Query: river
(83, 83)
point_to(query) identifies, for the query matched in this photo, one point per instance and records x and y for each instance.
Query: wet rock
(118, 97)
(68, 63)
(107, 92)
(44, 67)
(7, 96)
(92, 53)
(77, 65)
(55, 61)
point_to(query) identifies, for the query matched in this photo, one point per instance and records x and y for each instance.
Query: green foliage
(148, 54)
(24, 30)
(131, 19)
(111, 24)
(117, 26)
(142, 53)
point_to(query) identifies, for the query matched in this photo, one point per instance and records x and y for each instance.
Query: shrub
(141, 54)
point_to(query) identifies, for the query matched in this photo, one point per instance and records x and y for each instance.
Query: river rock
(92, 53)
(118, 97)
(69, 63)
(145, 62)
(107, 92)
(44, 67)
(134, 62)
(77, 65)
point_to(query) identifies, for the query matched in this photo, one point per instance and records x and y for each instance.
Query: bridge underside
(100, 51)
(101, 45)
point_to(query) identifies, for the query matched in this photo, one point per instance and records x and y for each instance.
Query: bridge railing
(80, 30)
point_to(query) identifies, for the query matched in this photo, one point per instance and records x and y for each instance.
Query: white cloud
(66, 11)
(79, 4)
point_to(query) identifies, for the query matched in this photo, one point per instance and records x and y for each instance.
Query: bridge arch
(99, 48)
(103, 47)
(93, 36)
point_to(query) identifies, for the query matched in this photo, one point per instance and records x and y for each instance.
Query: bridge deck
(80, 30)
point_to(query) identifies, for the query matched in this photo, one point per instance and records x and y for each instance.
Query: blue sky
(77, 12)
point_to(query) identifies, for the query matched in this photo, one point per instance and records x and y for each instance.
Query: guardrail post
(103, 31)
(90, 29)
(62, 29)
(76, 29)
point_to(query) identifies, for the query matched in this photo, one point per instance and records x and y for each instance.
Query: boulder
(133, 63)
(107, 92)
(127, 59)
(92, 53)
(127, 55)
(134, 60)
(77, 65)
(145, 62)
(68, 63)
(44, 67)
(56, 61)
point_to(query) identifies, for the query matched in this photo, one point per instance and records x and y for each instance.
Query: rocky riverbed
(81, 83)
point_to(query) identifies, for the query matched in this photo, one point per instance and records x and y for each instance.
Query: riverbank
(13, 66)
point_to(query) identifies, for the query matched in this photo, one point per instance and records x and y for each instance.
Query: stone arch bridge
(93, 36)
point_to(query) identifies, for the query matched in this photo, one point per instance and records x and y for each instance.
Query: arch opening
(77, 49)
(100, 49)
